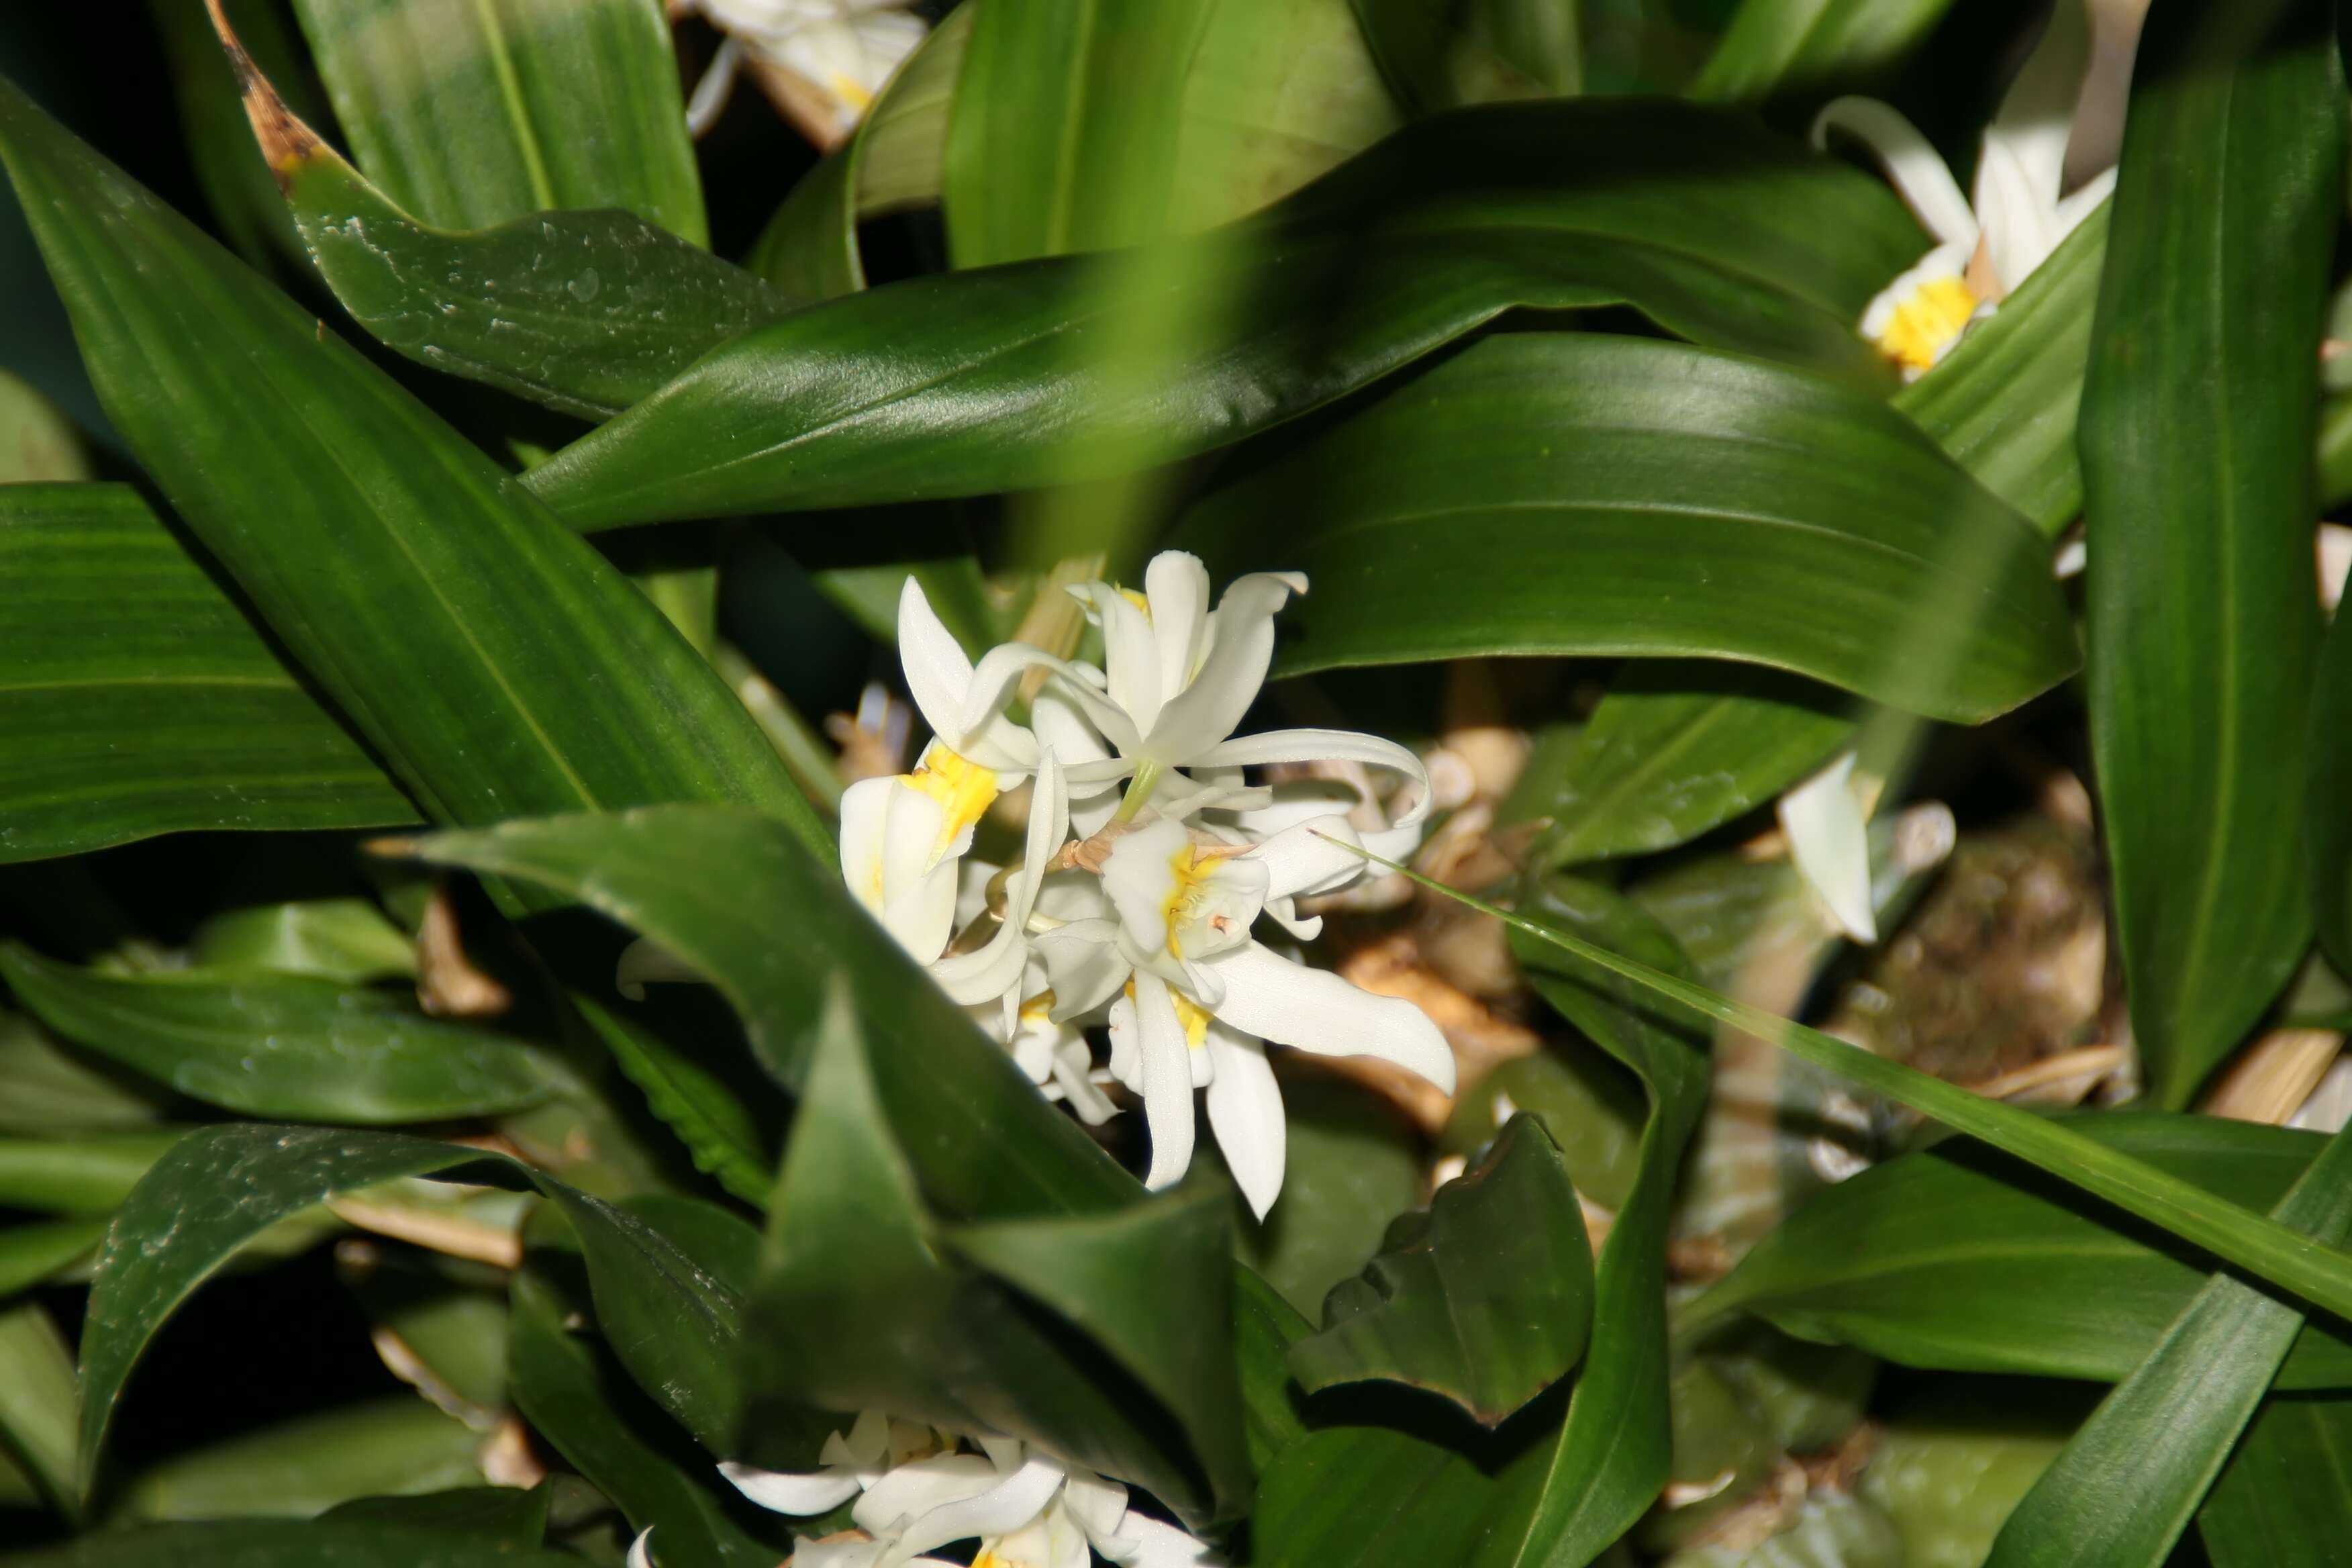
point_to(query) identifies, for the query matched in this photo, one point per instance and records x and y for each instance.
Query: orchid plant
(683, 681)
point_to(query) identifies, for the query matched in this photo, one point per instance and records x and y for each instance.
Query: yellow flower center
(1188, 1013)
(1136, 598)
(1927, 320)
(963, 788)
(850, 91)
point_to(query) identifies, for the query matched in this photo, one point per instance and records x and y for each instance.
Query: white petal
(1153, 1545)
(2037, 115)
(2019, 217)
(1178, 586)
(639, 1555)
(867, 1444)
(1126, 1056)
(922, 916)
(1062, 726)
(1001, 666)
(1827, 839)
(1140, 875)
(940, 679)
(1131, 653)
(1911, 162)
(1326, 745)
(844, 1551)
(1074, 1076)
(1004, 1453)
(716, 86)
(1245, 1114)
(1241, 647)
(1314, 1010)
(909, 1492)
(1166, 1070)
(970, 978)
(1285, 914)
(1083, 960)
(1096, 1503)
(1312, 858)
(1005, 1506)
(2079, 204)
(802, 1494)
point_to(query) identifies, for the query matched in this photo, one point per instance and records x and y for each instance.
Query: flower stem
(1138, 791)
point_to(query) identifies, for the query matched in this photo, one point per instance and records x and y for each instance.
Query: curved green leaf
(469, 113)
(497, 663)
(177, 716)
(2003, 404)
(1063, 134)
(2130, 1479)
(857, 1306)
(2285, 1501)
(1485, 1298)
(348, 940)
(1442, 54)
(1764, 248)
(39, 1401)
(1677, 749)
(612, 1435)
(2198, 415)
(1957, 1257)
(85, 1175)
(512, 1516)
(301, 1468)
(287, 1543)
(31, 1254)
(1792, 49)
(1551, 492)
(283, 1046)
(984, 1142)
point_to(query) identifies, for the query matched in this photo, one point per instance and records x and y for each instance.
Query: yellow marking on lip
(850, 91)
(963, 788)
(1927, 321)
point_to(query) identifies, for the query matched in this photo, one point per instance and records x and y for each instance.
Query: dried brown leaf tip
(285, 141)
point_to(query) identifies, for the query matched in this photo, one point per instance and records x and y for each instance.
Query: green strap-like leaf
(1796, 50)
(2003, 402)
(2131, 1479)
(1957, 1257)
(137, 698)
(1675, 750)
(284, 1045)
(300, 1468)
(469, 113)
(88, 1174)
(584, 311)
(1766, 250)
(1487, 1302)
(498, 664)
(857, 1307)
(39, 1401)
(287, 1543)
(580, 1403)
(2197, 437)
(1555, 492)
(2285, 1501)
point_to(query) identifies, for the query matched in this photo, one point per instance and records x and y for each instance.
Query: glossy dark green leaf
(2131, 1477)
(692, 1078)
(349, 940)
(2197, 435)
(1265, 1328)
(176, 717)
(2003, 404)
(810, 249)
(1486, 1297)
(301, 1468)
(2229, 1231)
(1377, 1496)
(2285, 1501)
(1676, 749)
(584, 311)
(1352, 1164)
(39, 1401)
(2327, 793)
(1763, 249)
(1612, 1455)
(1785, 49)
(55, 1091)
(610, 1433)
(857, 1306)
(985, 1144)
(1549, 493)
(282, 1045)
(86, 1174)
(468, 112)
(497, 663)
(514, 1517)
(670, 1323)
(287, 1543)
(1959, 1257)
(1064, 133)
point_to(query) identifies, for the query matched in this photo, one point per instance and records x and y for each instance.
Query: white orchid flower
(844, 50)
(1193, 997)
(1826, 821)
(1990, 243)
(1027, 1509)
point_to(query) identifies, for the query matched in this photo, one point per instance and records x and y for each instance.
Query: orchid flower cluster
(915, 1488)
(1146, 866)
